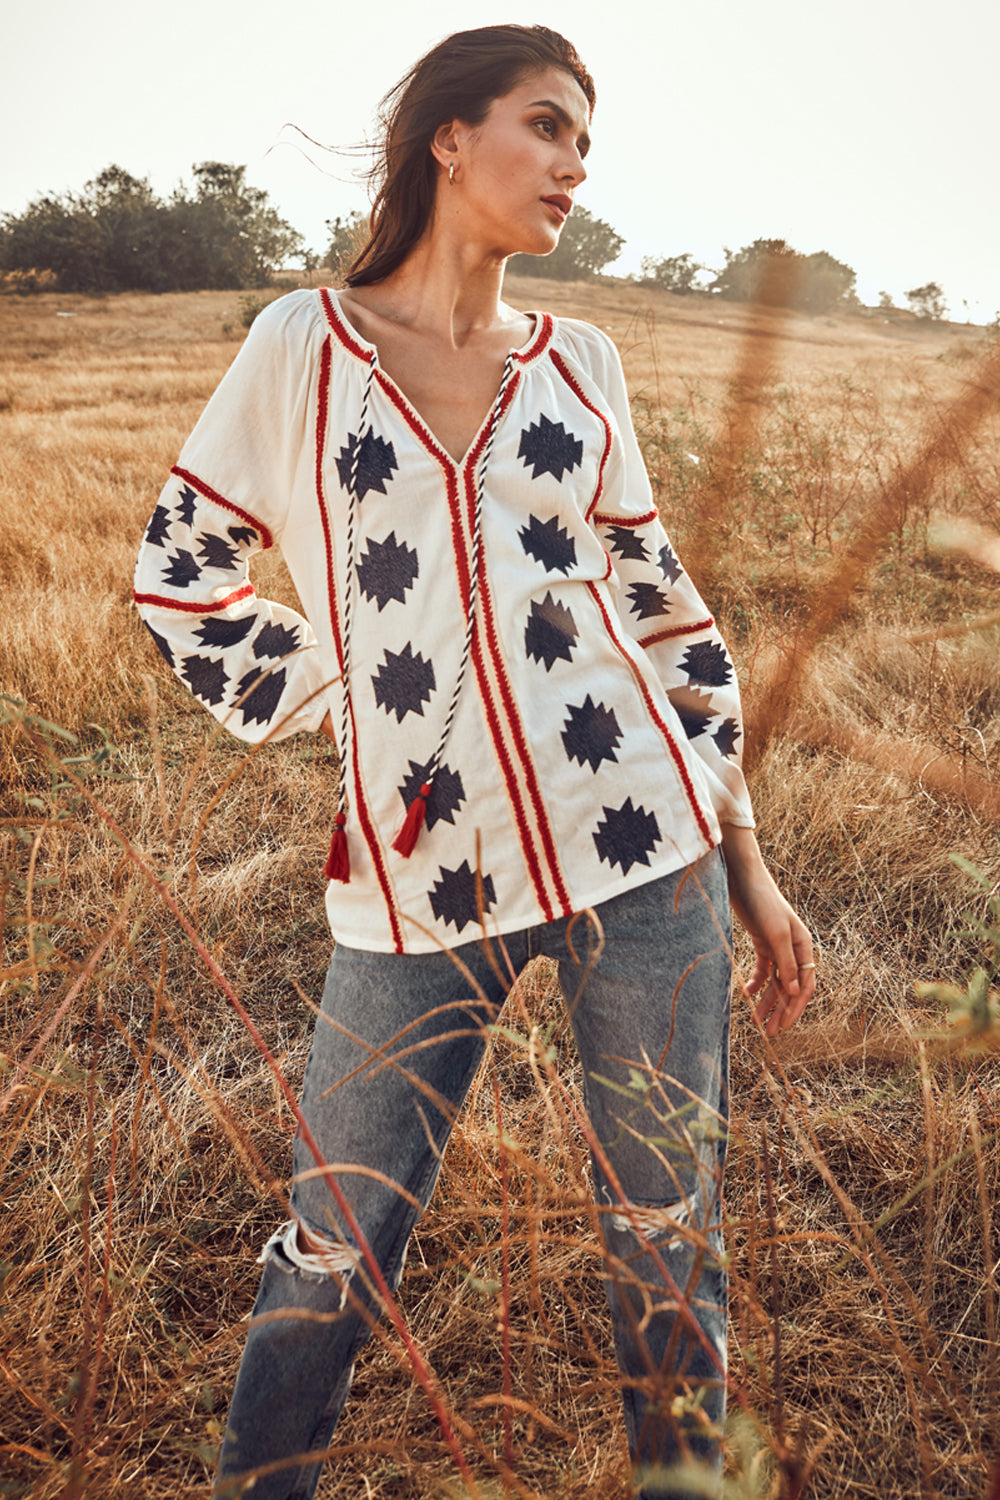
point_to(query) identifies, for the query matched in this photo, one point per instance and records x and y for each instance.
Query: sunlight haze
(860, 129)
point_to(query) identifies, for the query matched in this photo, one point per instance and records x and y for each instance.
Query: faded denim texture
(658, 995)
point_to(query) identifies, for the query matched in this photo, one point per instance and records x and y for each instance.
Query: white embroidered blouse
(596, 738)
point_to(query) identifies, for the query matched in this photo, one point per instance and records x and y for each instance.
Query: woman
(535, 715)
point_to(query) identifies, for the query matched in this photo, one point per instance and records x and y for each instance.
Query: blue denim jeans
(394, 1052)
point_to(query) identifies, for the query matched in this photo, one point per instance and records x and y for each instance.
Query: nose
(574, 172)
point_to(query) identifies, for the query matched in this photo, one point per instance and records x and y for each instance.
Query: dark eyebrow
(564, 119)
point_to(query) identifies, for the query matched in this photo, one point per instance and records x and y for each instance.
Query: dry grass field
(835, 486)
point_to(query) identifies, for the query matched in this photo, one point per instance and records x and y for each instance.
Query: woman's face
(516, 173)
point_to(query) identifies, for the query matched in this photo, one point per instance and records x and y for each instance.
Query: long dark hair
(457, 80)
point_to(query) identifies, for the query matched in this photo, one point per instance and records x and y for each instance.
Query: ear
(446, 144)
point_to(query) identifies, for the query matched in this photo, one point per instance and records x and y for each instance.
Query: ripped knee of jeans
(653, 1222)
(322, 1256)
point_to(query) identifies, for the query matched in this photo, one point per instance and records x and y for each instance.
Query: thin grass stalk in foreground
(508, 1429)
(986, 1210)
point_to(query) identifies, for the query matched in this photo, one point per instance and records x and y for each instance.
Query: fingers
(760, 975)
(785, 977)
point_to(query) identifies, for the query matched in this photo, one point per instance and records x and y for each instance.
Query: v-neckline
(363, 350)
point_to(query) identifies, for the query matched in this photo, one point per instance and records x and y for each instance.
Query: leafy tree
(346, 238)
(771, 272)
(885, 301)
(674, 273)
(928, 302)
(117, 235)
(585, 247)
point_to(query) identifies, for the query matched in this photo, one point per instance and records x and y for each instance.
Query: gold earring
(451, 172)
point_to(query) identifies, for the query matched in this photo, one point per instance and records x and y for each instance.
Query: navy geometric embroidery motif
(275, 641)
(216, 632)
(185, 505)
(592, 733)
(707, 662)
(206, 678)
(726, 735)
(455, 897)
(626, 541)
(669, 566)
(550, 632)
(648, 601)
(447, 792)
(242, 535)
(161, 645)
(549, 543)
(216, 552)
(404, 682)
(387, 570)
(259, 704)
(693, 710)
(549, 449)
(626, 835)
(181, 570)
(159, 525)
(375, 466)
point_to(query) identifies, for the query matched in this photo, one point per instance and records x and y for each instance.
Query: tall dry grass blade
(757, 361)
(773, 702)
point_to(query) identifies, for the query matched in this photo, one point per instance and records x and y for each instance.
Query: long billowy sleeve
(254, 664)
(662, 610)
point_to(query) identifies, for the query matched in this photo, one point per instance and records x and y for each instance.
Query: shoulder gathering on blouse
(596, 734)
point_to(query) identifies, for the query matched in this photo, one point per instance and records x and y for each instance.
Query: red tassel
(338, 863)
(405, 841)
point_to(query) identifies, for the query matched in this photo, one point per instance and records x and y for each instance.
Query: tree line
(118, 235)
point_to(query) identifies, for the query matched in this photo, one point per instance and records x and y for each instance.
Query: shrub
(672, 273)
(771, 272)
(586, 246)
(928, 302)
(117, 235)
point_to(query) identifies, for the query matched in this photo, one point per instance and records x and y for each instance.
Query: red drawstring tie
(406, 839)
(338, 863)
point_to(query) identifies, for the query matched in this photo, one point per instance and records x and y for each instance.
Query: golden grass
(146, 1143)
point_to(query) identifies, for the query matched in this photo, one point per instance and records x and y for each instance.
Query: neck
(447, 289)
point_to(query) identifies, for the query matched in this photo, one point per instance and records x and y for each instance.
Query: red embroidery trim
(322, 410)
(524, 759)
(415, 422)
(510, 777)
(485, 694)
(191, 606)
(339, 326)
(208, 493)
(675, 753)
(570, 380)
(538, 343)
(513, 718)
(602, 520)
(676, 630)
(360, 802)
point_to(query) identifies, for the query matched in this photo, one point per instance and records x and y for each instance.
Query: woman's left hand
(785, 974)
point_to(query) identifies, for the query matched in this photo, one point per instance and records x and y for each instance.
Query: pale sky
(866, 128)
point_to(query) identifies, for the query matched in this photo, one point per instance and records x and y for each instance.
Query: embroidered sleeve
(662, 610)
(253, 663)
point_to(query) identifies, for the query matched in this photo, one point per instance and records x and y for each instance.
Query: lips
(561, 202)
